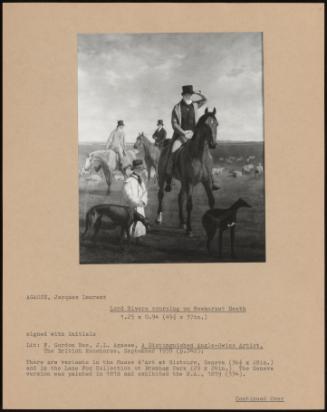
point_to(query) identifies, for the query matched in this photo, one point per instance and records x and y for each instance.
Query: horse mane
(200, 124)
(203, 118)
(145, 138)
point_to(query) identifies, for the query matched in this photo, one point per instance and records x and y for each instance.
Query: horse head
(210, 121)
(88, 164)
(139, 141)
(92, 162)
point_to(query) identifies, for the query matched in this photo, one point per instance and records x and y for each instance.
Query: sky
(138, 78)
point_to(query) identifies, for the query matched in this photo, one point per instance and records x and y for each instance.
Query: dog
(222, 219)
(123, 216)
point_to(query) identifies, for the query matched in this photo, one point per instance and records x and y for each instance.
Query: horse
(151, 152)
(192, 165)
(107, 161)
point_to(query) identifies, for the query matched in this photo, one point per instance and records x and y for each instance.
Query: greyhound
(222, 219)
(123, 216)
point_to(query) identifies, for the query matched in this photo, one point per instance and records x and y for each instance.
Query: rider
(160, 134)
(184, 117)
(116, 141)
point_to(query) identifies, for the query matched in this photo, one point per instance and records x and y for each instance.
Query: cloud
(138, 77)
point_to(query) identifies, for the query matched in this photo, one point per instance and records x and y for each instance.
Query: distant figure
(258, 171)
(222, 219)
(116, 142)
(184, 119)
(160, 134)
(136, 195)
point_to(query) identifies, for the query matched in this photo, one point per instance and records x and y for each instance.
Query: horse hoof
(183, 226)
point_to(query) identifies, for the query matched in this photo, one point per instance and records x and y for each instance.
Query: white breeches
(176, 145)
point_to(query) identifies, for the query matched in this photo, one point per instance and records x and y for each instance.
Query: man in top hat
(136, 195)
(116, 141)
(183, 119)
(160, 134)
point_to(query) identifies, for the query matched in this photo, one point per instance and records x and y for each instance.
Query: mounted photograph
(171, 148)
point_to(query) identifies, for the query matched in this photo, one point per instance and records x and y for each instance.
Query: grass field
(168, 243)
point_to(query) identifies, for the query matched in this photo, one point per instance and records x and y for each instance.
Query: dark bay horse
(151, 152)
(192, 165)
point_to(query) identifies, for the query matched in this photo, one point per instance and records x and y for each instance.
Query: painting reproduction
(171, 148)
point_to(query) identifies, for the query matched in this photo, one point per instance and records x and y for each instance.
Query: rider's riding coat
(185, 116)
(116, 142)
(159, 136)
(135, 193)
(116, 139)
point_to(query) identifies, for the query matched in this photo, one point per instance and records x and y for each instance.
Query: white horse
(108, 161)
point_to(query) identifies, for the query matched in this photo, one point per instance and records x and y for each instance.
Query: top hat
(187, 89)
(137, 164)
(160, 122)
(120, 123)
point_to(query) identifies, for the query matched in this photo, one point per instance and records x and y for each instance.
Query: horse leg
(189, 207)
(207, 187)
(181, 197)
(161, 178)
(108, 177)
(160, 198)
